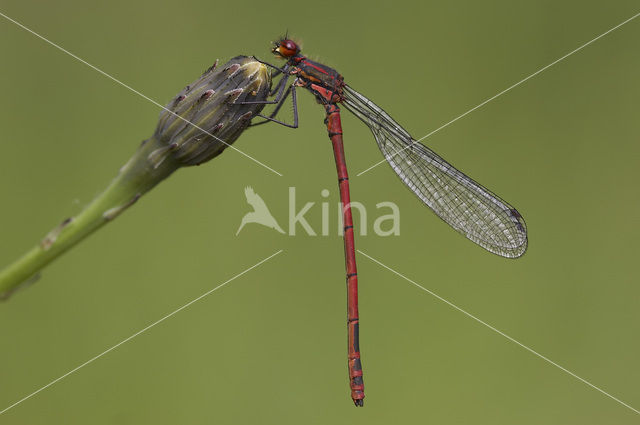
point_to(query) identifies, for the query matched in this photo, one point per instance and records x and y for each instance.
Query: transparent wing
(465, 205)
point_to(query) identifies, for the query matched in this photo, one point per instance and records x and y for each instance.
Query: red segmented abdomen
(334, 127)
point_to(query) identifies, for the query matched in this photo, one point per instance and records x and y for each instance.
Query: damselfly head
(285, 48)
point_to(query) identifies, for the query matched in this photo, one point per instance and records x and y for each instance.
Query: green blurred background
(270, 346)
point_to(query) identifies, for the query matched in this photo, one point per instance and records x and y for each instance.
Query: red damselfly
(465, 205)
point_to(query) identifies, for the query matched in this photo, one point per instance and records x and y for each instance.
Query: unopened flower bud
(208, 115)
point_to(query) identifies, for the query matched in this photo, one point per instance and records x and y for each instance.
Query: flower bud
(208, 115)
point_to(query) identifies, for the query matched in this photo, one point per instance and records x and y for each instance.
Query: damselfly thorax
(324, 82)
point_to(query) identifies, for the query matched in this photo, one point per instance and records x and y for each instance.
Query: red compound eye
(288, 48)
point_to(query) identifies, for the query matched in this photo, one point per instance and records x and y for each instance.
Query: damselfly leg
(279, 100)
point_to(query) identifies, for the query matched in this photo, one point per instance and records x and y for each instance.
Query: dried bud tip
(207, 94)
(212, 67)
(216, 127)
(234, 94)
(233, 69)
(178, 99)
(245, 116)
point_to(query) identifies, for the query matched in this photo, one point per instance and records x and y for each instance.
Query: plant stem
(138, 176)
(196, 126)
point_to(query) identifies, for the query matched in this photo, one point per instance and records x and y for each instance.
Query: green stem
(137, 177)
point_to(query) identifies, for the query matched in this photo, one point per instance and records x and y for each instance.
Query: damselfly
(465, 205)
